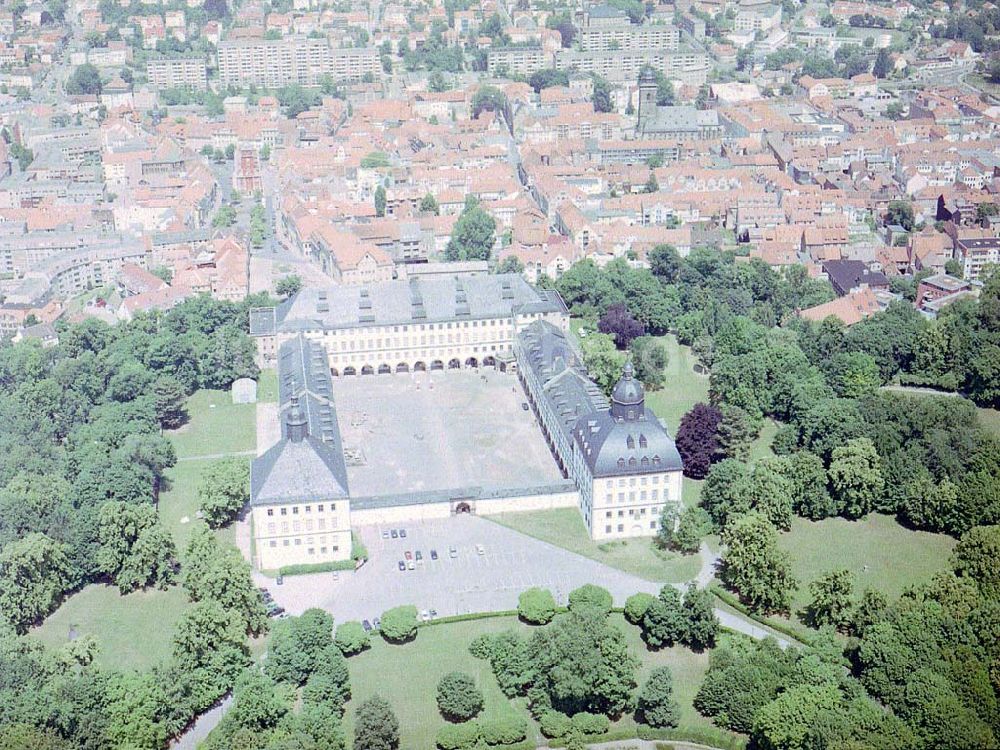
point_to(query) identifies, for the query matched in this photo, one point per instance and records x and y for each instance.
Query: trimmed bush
(399, 624)
(505, 731)
(351, 638)
(587, 723)
(459, 736)
(554, 724)
(458, 698)
(482, 646)
(590, 596)
(636, 606)
(536, 606)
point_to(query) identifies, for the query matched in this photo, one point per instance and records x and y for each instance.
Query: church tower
(647, 97)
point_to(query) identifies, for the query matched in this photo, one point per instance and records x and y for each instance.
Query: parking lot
(470, 582)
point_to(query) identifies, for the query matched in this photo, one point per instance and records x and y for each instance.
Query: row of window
(631, 512)
(297, 526)
(297, 542)
(307, 509)
(621, 527)
(654, 495)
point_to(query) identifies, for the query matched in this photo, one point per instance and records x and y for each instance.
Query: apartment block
(517, 60)
(178, 72)
(296, 59)
(655, 37)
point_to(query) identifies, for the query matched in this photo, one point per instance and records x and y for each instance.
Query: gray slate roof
(424, 300)
(313, 469)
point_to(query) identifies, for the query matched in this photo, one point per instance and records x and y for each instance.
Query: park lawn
(215, 426)
(895, 556)
(683, 387)
(134, 631)
(407, 676)
(564, 528)
(179, 500)
(761, 447)
(267, 386)
(990, 420)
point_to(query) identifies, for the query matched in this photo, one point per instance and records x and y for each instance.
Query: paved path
(204, 724)
(468, 582)
(214, 456)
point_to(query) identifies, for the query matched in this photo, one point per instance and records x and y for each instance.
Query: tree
(637, 605)
(754, 566)
(651, 186)
(977, 556)
(34, 573)
(724, 493)
(85, 80)
(854, 374)
(831, 602)
(458, 698)
(699, 613)
(810, 496)
(656, 706)
(429, 205)
(297, 645)
(693, 525)
(473, 236)
(376, 726)
(883, 64)
(590, 598)
(787, 721)
(511, 264)
(546, 78)
(736, 432)
(563, 23)
(210, 642)
(602, 95)
(135, 550)
(856, 477)
(665, 263)
(618, 322)
(224, 491)
(697, 439)
(380, 201)
(488, 99)
(536, 606)
(296, 100)
(399, 624)
(664, 622)
(649, 357)
(351, 638)
(901, 213)
(288, 286)
(603, 361)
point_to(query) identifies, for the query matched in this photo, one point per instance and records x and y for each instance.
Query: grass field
(990, 420)
(134, 631)
(267, 386)
(180, 500)
(683, 388)
(407, 677)
(879, 552)
(215, 425)
(564, 528)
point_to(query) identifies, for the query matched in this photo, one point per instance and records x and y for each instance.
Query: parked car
(434, 554)
(385, 534)
(402, 565)
(408, 555)
(452, 552)
(524, 405)
(275, 611)
(395, 534)
(402, 533)
(410, 565)
(279, 580)
(434, 613)
(419, 555)
(377, 623)
(425, 615)
(367, 626)
(480, 549)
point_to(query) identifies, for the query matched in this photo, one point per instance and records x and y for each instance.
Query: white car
(480, 549)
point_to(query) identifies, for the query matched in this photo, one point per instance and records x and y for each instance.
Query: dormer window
(656, 460)
(621, 463)
(645, 461)
(632, 463)
(643, 443)
(630, 442)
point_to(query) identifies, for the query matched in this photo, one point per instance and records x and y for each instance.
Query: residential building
(177, 72)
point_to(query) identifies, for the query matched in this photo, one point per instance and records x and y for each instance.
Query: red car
(409, 555)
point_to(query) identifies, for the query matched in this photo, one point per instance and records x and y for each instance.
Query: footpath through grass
(564, 528)
(134, 631)
(407, 677)
(683, 387)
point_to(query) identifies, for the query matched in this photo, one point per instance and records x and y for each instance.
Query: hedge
(326, 567)
(708, 737)
(780, 627)
(459, 736)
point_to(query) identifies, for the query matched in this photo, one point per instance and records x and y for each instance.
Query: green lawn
(761, 447)
(683, 389)
(879, 552)
(267, 386)
(407, 677)
(216, 425)
(134, 631)
(564, 528)
(179, 500)
(990, 420)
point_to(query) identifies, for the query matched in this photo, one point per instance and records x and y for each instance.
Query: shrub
(590, 596)
(458, 698)
(458, 736)
(587, 723)
(505, 731)
(536, 606)
(399, 624)
(351, 638)
(636, 606)
(482, 646)
(554, 724)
